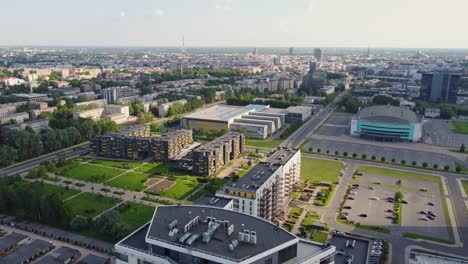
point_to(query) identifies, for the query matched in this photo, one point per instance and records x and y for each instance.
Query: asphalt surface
(29, 165)
(439, 132)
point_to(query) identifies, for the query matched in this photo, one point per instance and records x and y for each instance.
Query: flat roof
(27, 251)
(388, 114)
(224, 113)
(60, 255)
(93, 259)
(268, 235)
(11, 240)
(211, 200)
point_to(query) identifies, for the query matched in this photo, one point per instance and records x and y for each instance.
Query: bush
(382, 159)
(393, 160)
(328, 152)
(373, 157)
(424, 164)
(403, 162)
(345, 154)
(436, 166)
(364, 156)
(446, 167)
(319, 150)
(337, 153)
(311, 149)
(78, 223)
(354, 155)
(414, 163)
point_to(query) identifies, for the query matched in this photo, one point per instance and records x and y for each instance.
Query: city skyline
(237, 23)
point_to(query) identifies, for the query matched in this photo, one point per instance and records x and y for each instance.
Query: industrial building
(136, 143)
(387, 123)
(256, 121)
(261, 191)
(203, 234)
(210, 157)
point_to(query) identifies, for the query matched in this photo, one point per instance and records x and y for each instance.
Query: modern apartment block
(211, 235)
(169, 145)
(113, 94)
(262, 190)
(208, 158)
(137, 143)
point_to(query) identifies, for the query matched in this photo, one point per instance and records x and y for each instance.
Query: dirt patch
(161, 186)
(151, 181)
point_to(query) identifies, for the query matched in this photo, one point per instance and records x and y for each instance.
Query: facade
(440, 87)
(318, 55)
(17, 118)
(164, 108)
(31, 97)
(203, 234)
(136, 143)
(327, 90)
(114, 94)
(298, 113)
(37, 125)
(314, 80)
(208, 158)
(7, 109)
(387, 123)
(261, 191)
(36, 112)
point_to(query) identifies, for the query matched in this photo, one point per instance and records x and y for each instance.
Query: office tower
(440, 87)
(113, 94)
(291, 51)
(314, 80)
(255, 51)
(318, 55)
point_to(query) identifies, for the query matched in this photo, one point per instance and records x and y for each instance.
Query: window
(269, 261)
(121, 257)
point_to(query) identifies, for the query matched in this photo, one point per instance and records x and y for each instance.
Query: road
(300, 135)
(29, 165)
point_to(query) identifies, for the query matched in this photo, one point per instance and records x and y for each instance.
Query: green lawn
(264, 143)
(90, 205)
(136, 215)
(416, 236)
(89, 173)
(319, 236)
(116, 164)
(398, 174)
(460, 127)
(310, 218)
(159, 168)
(184, 186)
(317, 170)
(465, 186)
(62, 192)
(132, 181)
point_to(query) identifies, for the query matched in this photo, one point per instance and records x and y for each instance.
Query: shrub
(436, 166)
(319, 150)
(345, 154)
(337, 153)
(414, 163)
(446, 167)
(364, 156)
(373, 157)
(424, 164)
(311, 149)
(393, 160)
(403, 162)
(328, 151)
(382, 159)
(354, 155)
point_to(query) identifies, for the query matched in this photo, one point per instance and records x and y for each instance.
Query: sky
(234, 23)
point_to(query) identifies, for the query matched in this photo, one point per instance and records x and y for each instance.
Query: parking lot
(359, 251)
(371, 199)
(389, 153)
(439, 132)
(337, 125)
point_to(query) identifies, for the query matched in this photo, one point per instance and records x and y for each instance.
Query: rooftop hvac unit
(230, 230)
(241, 236)
(173, 224)
(246, 236)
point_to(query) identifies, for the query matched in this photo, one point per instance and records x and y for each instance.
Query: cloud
(159, 12)
(223, 4)
(122, 13)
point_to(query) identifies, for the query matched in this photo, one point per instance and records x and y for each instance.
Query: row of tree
(178, 108)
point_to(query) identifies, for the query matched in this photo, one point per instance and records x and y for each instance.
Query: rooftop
(224, 113)
(93, 259)
(11, 240)
(192, 223)
(60, 255)
(211, 200)
(388, 114)
(27, 251)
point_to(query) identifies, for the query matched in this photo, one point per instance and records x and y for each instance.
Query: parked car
(363, 215)
(347, 207)
(430, 204)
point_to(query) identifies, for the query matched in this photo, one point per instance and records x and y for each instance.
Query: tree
(414, 163)
(354, 155)
(424, 164)
(364, 156)
(319, 150)
(8, 155)
(337, 153)
(32, 174)
(373, 157)
(311, 149)
(51, 167)
(436, 166)
(393, 159)
(447, 111)
(41, 171)
(382, 159)
(120, 230)
(106, 222)
(154, 127)
(403, 162)
(345, 154)
(462, 148)
(399, 196)
(446, 167)
(78, 223)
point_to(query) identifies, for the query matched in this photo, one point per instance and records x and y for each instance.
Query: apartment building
(208, 158)
(206, 234)
(262, 190)
(36, 125)
(113, 94)
(17, 118)
(137, 143)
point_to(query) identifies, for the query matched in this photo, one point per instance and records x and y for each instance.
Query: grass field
(159, 168)
(319, 236)
(465, 186)
(398, 174)
(317, 170)
(460, 127)
(132, 181)
(136, 215)
(263, 143)
(116, 164)
(184, 186)
(90, 205)
(89, 173)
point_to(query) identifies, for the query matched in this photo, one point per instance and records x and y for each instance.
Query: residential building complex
(261, 191)
(203, 234)
(16, 118)
(114, 94)
(36, 125)
(208, 158)
(137, 143)
(387, 123)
